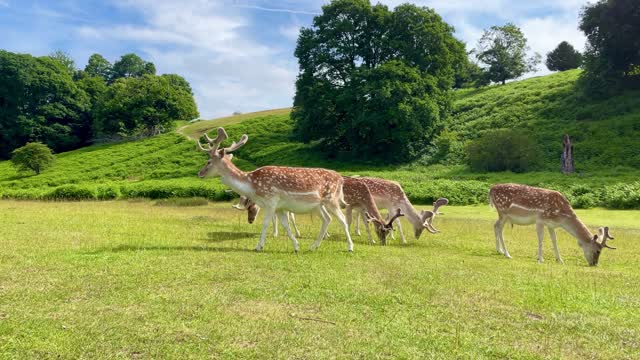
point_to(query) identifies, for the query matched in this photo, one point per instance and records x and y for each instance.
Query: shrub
(33, 156)
(502, 150)
(107, 192)
(71, 192)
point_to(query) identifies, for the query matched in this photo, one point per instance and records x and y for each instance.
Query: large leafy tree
(503, 51)
(39, 102)
(33, 156)
(143, 105)
(374, 82)
(99, 66)
(131, 65)
(612, 57)
(563, 57)
(65, 59)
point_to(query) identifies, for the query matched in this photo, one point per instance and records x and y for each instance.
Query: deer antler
(606, 236)
(236, 145)
(397, 215)
(427, 218)
(438, 203)
(215, 143)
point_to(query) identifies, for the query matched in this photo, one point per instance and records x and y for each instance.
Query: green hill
(605, 136)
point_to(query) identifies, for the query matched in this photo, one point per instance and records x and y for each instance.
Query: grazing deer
(526, 205)
(389, 195)
(359, 198)
(279, 189)
(252, 212)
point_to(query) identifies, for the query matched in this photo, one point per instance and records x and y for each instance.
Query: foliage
(144, 105)
(65, 60)
(131, 65)
(35, 157)
(503, 51)
(612, 58)
(71, 193)
(99, 66)
(364, 88)
(563, 57)
(40, 102)
(502, 150)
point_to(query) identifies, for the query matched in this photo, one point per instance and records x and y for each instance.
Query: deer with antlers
(360, 199)
(244, 203)
(390, 195)
(526, 205)
(279, 189)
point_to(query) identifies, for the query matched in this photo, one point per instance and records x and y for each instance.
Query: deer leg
(499, 225)
(358, 217)
(398, 224)
(284, 220)
(268, 216)
(554, 241)
(292, 220)
(275, 225)
(540, 231)
(335, 211)
(363, 215)
(349, 216)
(326, 219)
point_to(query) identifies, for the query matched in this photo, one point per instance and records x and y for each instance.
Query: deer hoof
(258, 248)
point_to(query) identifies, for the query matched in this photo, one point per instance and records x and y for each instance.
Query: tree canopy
(563, 57)
(33, 156)
(612, 57)
(45, 99)
(374, 81)
(503, 51)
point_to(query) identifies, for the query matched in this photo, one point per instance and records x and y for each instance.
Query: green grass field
(131, 279)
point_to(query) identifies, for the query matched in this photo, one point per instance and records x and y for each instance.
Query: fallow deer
(244, 203)
(390, 195)
(279, 189)
(359, 198)
(526, 205)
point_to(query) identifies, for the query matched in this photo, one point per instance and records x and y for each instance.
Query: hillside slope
(605, 134)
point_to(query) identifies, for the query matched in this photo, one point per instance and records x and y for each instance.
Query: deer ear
(595, 238)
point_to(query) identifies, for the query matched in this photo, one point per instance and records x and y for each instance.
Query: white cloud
(290, 32)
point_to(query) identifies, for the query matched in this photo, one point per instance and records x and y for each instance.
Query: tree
(33, 156)
(374, 81)
(503, 51)
(612, 57)
(64, 59)
(563, 57)
(39, 101)
(143, 106)
(502, 150)
(99, 66)
(131, 65)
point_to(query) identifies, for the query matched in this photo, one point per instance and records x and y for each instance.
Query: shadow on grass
(220, 236)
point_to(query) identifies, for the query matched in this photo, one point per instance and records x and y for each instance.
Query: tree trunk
(567, 166)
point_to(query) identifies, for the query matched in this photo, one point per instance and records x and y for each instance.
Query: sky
(238, 54)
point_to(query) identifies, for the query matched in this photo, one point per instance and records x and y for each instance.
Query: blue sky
(238, 54)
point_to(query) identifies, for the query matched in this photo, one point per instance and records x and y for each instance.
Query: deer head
(593, 248)
(219, 158)
(382, 229)
(246, 204)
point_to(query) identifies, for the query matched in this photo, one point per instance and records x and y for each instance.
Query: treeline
(47, 99)
(375, 83)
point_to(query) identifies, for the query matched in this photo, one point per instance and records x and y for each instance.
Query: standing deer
(389, 195)
(526, 205)
(359, 198)
(279, 189)
(252, 212)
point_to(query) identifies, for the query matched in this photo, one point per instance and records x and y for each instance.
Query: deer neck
(411, 214)
(235, 178)
(577, 228)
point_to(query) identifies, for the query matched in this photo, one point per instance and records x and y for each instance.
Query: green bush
(502, 150)
(107, 192)
(71, 192)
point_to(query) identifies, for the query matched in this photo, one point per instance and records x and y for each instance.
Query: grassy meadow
(140, 279)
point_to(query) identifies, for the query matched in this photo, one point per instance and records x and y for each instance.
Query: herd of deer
(284, 191)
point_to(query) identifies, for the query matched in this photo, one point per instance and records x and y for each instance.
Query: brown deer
(390, 195)
(244, 203)
(279, 189)
(359, 198)
(526, 205)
